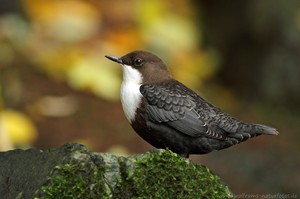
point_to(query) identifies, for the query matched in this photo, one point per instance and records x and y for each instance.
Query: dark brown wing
(170, 107)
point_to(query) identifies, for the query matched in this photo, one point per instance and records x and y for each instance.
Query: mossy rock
(83, 174)
(164, 174)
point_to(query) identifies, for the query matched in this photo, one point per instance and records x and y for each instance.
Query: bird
(169, 115)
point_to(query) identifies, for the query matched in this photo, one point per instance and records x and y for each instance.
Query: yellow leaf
(97, 77)
(68, 21)
(20, 129)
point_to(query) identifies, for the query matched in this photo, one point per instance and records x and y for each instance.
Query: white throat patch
(130, 91)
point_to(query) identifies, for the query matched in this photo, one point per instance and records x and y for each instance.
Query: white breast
(130, 91)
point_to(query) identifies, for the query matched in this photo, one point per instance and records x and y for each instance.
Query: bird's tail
(247, 131)
(264, 129)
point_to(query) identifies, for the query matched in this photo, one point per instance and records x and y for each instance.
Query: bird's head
(142, 66)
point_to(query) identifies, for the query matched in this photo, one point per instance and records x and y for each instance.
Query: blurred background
(243, 56)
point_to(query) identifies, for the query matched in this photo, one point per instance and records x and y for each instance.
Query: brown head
(151, 68)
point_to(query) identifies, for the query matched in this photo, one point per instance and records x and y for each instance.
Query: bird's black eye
(138, 62)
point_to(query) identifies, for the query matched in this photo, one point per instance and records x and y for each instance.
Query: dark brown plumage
(167, 114)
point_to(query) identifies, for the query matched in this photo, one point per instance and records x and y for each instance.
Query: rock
(72, 171)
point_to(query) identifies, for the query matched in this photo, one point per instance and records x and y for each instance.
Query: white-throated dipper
(167, 114)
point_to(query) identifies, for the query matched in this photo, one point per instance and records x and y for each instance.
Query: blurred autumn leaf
(17, 130)
(65, 21)
(94, 75)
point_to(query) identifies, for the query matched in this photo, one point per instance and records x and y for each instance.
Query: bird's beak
(115, 59)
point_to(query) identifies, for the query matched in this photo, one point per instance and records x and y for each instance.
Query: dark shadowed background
(243, 56)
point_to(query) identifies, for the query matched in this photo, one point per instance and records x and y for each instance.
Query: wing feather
(174, 108)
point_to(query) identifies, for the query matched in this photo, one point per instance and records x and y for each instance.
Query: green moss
(156, 174)
(167, 175)
(75, 180)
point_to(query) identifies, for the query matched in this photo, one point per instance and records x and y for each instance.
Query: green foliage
(75, 180)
